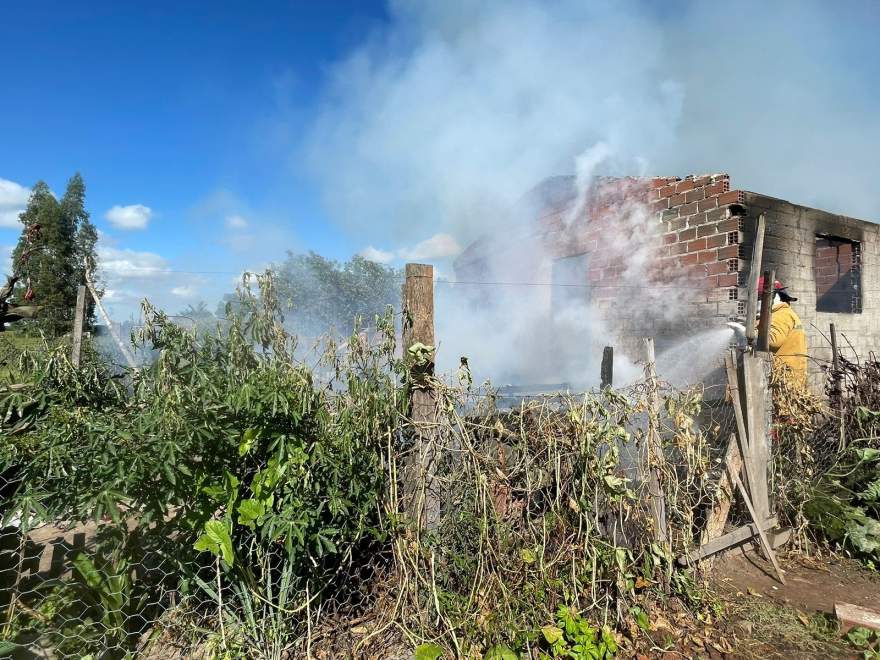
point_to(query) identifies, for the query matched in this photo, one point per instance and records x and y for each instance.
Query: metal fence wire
(546, 483)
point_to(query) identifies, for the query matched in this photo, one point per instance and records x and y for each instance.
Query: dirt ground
(770, 620)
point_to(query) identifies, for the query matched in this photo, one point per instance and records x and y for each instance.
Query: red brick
(714, 189)
(732, 197)
(684, 186)
(688, 234)
(695, 195)
(708, 204)
(689, 259)
(677, 200)
(718, 240)
(730, 279)
(667, 191)
(697, 245)
(678, 248)
(669, 239)
(708, 256)
(660, 205)
(716, 268)
(702, 180)
(729, 252)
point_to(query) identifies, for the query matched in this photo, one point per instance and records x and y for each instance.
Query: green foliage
(429, 652)
(574, 637)
(865, 640)
(844, 505)
(56, 248)
(260, 465)
(326, 294)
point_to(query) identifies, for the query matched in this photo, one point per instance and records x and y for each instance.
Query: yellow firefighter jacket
(788, 341)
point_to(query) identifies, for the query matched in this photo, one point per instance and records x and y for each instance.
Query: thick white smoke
(441, 121)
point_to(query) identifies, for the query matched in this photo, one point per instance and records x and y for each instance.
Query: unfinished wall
(812, 270)
(688, 254)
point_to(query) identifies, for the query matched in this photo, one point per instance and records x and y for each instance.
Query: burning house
(668, 257)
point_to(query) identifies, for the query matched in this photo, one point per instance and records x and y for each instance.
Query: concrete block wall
(790, 248)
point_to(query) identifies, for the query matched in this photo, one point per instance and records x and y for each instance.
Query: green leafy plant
(574, 637)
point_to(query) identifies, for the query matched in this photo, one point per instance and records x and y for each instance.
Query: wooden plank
(767, 548)
(606, 376)
(717, 518)
(756, 386)
(754, 274)
(733, 363)
(422, 499)
(855, 616)
(654, 449)
(763, 343)
(733, 538)
(78, 320)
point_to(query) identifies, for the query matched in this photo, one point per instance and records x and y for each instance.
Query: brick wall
(689, 242)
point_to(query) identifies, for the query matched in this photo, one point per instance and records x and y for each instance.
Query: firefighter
(788, 341)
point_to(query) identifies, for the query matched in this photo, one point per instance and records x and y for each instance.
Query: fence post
(763, 343)
(838, 385)
(606, 375)
(422, 497)
(78, 319)
(654, 449)
(754, 273)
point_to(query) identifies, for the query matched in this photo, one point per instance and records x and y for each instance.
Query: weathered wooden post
(606, 375)
(654, 447)
(754, 274)
(757, 404)
(422, 496)
(763, 343)
(838, 386)
(78, 319)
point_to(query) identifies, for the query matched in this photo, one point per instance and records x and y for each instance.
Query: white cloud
(377, 255)
(236, 222)
(5, 261)
(436, 247)
(130, 264)
(183, 291)
(134, 216)
(13, 199)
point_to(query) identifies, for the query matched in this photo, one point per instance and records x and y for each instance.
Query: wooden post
(763, 343)
(838, 386)
(754, 273)
(654, 452)
(422, 495)
(607, 373)
(78, 318)
(755, 382)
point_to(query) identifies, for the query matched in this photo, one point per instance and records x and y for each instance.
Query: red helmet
(777, 287)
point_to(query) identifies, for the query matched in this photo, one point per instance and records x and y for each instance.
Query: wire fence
(539, 500)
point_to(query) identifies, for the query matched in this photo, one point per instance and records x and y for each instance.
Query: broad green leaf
(247, 441)
(87, 570)
(428, 652)
(552, 634)
(500, 653)
(216, 540)
(249, 511)
(528, 556)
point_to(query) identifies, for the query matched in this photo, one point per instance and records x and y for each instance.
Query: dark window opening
(570, 284)
(837, 269)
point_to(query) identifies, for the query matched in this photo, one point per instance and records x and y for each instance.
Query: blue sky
(215, 136)
(173, 107)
